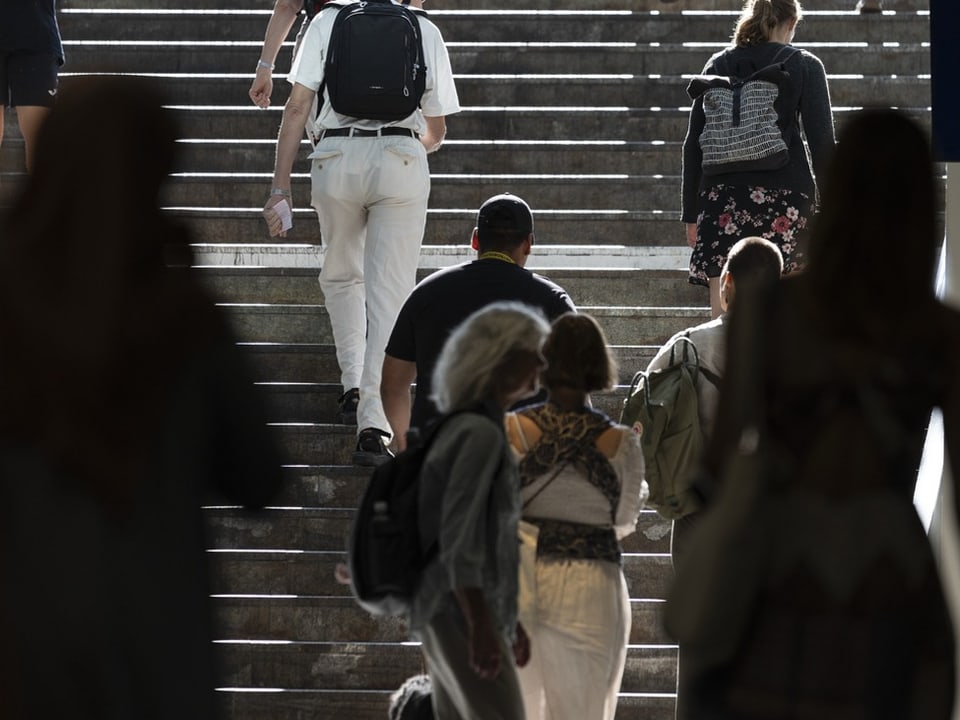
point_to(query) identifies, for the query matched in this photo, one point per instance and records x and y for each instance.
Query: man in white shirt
(370, 184)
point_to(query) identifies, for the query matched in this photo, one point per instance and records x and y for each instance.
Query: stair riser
(454, 158)
(636, 288)
(532, 90)
(310, 574)
(497, 5)
(301, 619)
(322, 529)
(357, 667)
(319, 403)
(668, 125)
(468, 59)
(636, 27)
(311, 325)
(372, 705)
(449, 229)
(464, 192)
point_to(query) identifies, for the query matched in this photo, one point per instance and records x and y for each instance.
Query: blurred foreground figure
(831, 606)
(124, 407)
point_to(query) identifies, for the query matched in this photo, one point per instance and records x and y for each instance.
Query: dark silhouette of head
(93, 322)
(874, 245)
(504, 222)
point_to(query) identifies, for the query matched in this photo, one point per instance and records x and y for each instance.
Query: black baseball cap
(505, 212)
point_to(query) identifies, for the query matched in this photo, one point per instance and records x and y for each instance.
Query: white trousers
(370, 195)
(578, 641)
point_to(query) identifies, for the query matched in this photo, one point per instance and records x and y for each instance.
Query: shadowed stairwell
(581, 110)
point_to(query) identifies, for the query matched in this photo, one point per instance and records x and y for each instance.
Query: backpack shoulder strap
(787, 52)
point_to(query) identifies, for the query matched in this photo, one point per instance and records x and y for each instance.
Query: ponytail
(761, 17)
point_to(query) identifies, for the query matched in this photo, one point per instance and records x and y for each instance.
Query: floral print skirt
(731, 212)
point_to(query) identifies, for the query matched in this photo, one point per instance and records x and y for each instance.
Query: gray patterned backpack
(743, 130)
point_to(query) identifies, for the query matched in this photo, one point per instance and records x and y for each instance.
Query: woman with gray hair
(465, 609)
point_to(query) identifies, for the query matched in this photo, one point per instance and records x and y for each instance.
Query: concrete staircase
(576, 105)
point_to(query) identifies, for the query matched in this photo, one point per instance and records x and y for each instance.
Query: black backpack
(385, 553)
(375, 65)
(743, 131)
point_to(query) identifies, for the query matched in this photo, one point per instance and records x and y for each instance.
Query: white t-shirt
(710, 339)
(439, 97)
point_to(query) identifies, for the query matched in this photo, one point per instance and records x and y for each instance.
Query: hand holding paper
(279, 217)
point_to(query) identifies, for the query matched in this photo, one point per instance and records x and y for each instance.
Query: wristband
(280, 191)
(264, 64)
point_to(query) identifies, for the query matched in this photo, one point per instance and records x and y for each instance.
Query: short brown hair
(754, 259)
(577, 355)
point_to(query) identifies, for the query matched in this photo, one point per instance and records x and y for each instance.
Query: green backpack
(661, 406)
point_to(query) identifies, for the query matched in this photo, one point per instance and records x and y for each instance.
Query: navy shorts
(28, 79)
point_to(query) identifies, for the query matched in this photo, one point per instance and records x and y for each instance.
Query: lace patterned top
(582, 501)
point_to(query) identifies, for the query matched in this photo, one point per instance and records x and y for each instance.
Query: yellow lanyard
(494, 255)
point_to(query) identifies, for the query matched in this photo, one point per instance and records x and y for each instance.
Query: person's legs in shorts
(31, 84)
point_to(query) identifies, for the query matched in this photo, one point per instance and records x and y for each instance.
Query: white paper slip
(282, 209)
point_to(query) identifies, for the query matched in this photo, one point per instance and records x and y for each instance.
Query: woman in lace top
(582, 488)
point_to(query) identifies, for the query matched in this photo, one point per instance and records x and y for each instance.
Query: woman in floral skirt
(719, 209)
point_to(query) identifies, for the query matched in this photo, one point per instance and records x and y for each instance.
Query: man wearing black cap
(502, 238)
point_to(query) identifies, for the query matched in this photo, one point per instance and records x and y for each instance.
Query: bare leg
(30, 118)
(715, 306)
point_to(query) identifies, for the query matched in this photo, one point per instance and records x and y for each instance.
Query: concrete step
(471, 57)
(458, 156)
(315, 401)
(597, 191)
(356, 666)
(312, 618)
(278, 704)
(294, 363)
(309, 440)
(560, 123)
(300, 250)
(321, 529)
(322, 486)
(598, 90)
(317, 444)
(545, 25)
(623, 239)
(508, 6)
(607, 286)
(648, 325)
(448, 228)
(586, 88)
(308, 572)
(341, 486)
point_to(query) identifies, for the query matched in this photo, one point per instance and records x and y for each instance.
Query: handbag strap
(544, 485)
(526, 448)
(519, 431)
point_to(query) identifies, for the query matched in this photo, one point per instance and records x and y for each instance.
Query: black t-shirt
(445, 299)
(30, 26)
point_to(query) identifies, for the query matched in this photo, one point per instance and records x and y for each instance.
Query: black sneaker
(371, 450)
(347, 407)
